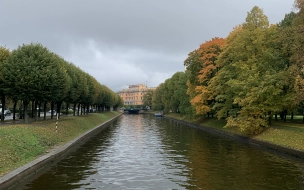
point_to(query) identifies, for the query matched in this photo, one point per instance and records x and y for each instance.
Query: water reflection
(144, 152)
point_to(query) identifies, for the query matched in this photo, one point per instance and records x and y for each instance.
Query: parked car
(54, 112)
(7, 112)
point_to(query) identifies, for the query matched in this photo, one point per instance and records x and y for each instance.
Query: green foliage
(32, 73)
(4, 55)
(76, 83)
(193, 65)
(296, 76)
(157, 100)
(171, 95)
(248, 124)
(201, 96)
(180, 93)
(27, 70)
(249, 83)
(256, 74)
(147, 98)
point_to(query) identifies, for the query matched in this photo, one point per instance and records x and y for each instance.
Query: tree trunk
(269, 118)
(39, 107)
(3, 107)
(58, 110)
(74, 109)
(44, 111)
(21, 113)
(32, 109)
(35, 110)
(291, 116)
(78, 109)
(282, 115)
(14, 110)
(67, 108)
(285, 114)
(276, 117)
(52, 109)
(25, 104)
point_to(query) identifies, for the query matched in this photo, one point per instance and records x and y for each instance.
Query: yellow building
(134, 94)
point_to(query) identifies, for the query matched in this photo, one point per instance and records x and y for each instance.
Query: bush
(248, 125)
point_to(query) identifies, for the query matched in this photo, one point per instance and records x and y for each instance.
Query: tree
(147, 98)
(171, 101)
(107, 99)
(60, 83)
(171, 95)
(193, 65)
(157, 99)
(26, 72)
(118, 102)
(4, 54)
(286, 42)
(254, 70)
(221, 91)
(73, 92)
(208, 51)
(180, 94)
(91, 96)
(297, 49)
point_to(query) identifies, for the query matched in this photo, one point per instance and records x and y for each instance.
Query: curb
(262, 144)
(19, 175)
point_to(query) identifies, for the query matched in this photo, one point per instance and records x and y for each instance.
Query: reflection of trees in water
(217, 163)
(238, 165)
(69, 172)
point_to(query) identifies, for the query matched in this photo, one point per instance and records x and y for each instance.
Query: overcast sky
(123, 42)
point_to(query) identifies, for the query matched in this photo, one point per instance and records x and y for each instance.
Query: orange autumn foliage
(208, 52)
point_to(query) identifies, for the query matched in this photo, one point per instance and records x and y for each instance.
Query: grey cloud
(121, 42)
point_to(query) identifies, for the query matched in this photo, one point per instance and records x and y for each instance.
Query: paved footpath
(9, 119)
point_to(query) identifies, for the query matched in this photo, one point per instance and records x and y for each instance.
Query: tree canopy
(32, 73)
(246, 78)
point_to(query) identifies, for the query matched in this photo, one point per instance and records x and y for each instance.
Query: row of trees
(33, 74)
(247, 78)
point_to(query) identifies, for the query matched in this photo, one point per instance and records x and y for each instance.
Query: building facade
(134, 94)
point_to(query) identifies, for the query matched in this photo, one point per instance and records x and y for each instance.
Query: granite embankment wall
(271, 147)
(18, 176)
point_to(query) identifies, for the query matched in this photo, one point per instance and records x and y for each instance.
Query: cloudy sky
(122, 42)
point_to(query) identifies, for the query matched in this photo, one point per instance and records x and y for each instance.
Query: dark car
(7, 112)
(54, 112)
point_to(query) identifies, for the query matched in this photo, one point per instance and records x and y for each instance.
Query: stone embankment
(21, 174)
(269, 146)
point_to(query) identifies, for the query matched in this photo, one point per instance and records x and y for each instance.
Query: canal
(144, 152)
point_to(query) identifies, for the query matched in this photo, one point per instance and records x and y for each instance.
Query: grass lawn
(22, 143)
(287, 134)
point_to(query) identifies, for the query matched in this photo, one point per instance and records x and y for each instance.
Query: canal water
(144, 152)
